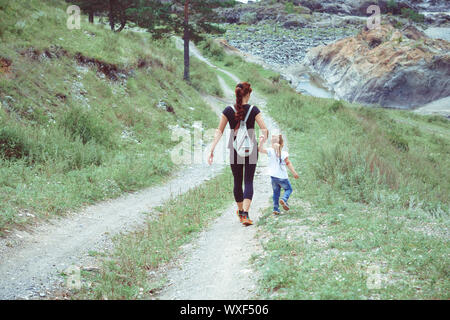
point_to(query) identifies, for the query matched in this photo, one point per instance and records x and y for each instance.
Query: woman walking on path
(242, 167)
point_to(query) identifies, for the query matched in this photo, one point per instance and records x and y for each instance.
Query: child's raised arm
(291, 168)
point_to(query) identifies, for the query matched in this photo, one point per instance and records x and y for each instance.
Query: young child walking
(278, 161)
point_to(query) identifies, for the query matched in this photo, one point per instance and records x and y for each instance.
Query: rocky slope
(385, 66)
(268, 9)
(437, 12)
(359, 7)
(278, 46)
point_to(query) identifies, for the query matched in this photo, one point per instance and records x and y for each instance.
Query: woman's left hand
(211, 158)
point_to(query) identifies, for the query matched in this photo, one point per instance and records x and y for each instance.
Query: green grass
(373, 193)
(138, 255)
(70, 135)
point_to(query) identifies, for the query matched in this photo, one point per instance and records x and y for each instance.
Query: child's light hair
(278, 146)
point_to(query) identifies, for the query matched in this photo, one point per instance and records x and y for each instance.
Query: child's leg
(286, 185)
(276, 194)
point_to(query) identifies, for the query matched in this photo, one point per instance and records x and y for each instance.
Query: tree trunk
(91, 16)
(186, 41)
(116, 14)
(112, 21)
(122, 25)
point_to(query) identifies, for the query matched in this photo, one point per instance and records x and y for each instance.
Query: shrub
(84, 155)
(346, 168)
(336, 106)
(392, 5)
(248, 18)
(356, 171)
(412, 15)
(67, 153)
(275, 78)
(437, 118)
(289, 7)
(398, 141)
(213, 49)
(13, 143)
(87, 126)
(229, 61)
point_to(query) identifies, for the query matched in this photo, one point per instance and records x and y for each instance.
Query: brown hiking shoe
(284, 205)
(240, 216)
(246, 221)
(276, 213)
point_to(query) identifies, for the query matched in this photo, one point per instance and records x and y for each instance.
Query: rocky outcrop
(439, 19)
(267, 10)
(295, 21)
(359, 7)
(385, 66)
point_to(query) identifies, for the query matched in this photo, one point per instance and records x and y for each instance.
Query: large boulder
(295, 21)
(270, 12)
(385, 66)
(313, 5)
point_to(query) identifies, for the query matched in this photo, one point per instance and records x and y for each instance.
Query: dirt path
(217, 264)
(31, 262)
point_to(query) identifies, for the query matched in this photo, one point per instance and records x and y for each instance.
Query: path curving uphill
(216, 265)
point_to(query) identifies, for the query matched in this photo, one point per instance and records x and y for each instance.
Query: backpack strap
(248, 114)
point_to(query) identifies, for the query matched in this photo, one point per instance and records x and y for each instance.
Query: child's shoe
(276, 212)
(284, 205)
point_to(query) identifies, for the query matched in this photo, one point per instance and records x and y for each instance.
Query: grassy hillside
(373, 194)
(85, 114)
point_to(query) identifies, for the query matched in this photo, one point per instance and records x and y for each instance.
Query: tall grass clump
(14, 144)
(88, 126)
(212, 49)
(355, 171)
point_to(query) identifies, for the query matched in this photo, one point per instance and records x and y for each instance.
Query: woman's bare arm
(217, 135)
(262, 125)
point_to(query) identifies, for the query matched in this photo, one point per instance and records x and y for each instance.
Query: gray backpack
(243, 144)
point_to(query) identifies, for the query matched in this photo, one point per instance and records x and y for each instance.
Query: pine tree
(187, 18)
(196, 18)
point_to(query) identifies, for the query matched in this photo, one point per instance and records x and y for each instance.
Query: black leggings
(237, 167)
